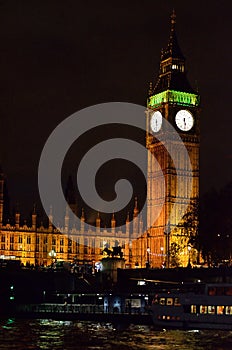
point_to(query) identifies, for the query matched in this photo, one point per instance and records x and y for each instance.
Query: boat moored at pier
(194, 306)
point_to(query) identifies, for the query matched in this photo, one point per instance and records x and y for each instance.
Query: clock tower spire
(172, 98)
(172, 74)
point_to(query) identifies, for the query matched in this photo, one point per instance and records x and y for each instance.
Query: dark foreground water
(65, 335)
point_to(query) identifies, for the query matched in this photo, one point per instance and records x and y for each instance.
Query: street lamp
(189, 262)
(52, 254)
(162, 254)
(167, 234)
(148, 251)
(148, 258)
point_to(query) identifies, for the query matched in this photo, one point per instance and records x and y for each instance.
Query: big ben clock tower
(172, 99)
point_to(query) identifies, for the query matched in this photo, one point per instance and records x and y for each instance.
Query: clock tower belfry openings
(172, 98)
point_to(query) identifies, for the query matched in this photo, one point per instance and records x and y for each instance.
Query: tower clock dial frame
(156, 121)
(184, 120)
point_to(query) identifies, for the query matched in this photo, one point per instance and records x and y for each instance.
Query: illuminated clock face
(156, 121)
(184, 120)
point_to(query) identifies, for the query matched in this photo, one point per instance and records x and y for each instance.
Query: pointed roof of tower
(113, 216)
(128, 217)
(82, 214)
(172, 75)
(136, 210)
(173, 49)
(67, 211)
(113, 221)
(98, 219)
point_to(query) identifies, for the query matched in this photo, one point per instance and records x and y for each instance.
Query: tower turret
(66, 220)
(128, 225)
(140, 224)
(17, 218)
(82, 220)
(136, 219)
(98, 223)
(33, 219)
(113, 223)
(50, 220)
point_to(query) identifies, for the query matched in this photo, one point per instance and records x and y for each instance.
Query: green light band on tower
(172, 96)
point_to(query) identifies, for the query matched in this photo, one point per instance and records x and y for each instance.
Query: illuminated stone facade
(43, 245)
(168, 239)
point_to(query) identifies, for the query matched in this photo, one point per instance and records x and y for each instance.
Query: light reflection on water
(67, 335)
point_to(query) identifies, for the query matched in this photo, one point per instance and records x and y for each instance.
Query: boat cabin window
(193, 309)
(228, 310)
(176, 301)
(155, 301)
(162, 301)
(203, 309)
(169, 301)
(211, 309)
(212, 291)
(220, 310)
(220, 291)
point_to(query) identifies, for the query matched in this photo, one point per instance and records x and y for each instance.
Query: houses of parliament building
(170, 97)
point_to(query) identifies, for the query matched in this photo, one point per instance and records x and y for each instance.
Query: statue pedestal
(110, 267)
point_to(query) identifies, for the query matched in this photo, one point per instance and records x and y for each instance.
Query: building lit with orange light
(39, 245)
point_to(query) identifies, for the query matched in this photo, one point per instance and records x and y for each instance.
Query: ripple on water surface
(67, 335)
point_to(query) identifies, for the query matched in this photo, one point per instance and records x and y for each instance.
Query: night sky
(57, 57)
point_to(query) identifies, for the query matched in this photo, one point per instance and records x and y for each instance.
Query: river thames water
(66, 335)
